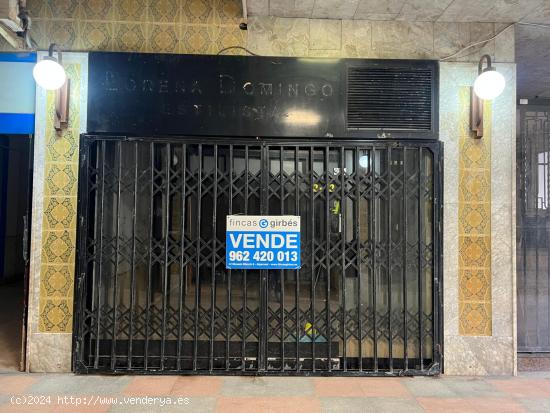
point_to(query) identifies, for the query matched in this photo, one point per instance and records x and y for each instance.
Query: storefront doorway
(15, 194)
(153, 293)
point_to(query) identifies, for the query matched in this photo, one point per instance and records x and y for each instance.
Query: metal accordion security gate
(533, 224)
(153, 293)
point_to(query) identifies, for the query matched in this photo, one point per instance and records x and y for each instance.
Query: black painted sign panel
(159, 94)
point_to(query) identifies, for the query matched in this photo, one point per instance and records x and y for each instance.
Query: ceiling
(532, 43)
(507, 11)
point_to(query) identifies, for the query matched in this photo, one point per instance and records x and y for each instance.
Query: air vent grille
(389, 98)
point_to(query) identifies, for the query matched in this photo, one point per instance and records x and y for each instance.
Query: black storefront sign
(203, 95)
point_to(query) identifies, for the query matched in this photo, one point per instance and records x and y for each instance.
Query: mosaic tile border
(55, 306)
(474, 224)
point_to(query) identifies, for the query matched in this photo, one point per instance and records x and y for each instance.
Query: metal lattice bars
(533, 222)
(154, 294)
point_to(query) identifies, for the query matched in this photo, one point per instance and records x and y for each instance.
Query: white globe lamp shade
(49, 74)
(489, 84)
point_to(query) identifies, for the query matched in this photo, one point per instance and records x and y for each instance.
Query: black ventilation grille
(390, 98)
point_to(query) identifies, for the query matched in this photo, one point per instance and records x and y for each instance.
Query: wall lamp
(49, 74)
(488, 85)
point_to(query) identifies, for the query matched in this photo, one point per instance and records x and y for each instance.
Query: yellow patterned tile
(474, 153)
(474, 223)
(39, 9)
(197, 40)
(55, 315)
(474, 219)
(57, 281)
(58, 247)
(228, 11)
(475, 318)
(62, 147)
(40, 32)
(474, 251)
(130, 37)
(131, 10)
(59, 213)
(197, 11)
(164, 11)
(96, 36)
(163, 38)
(61, 179)
(73, 73)
(225, 36)
(65, 9)
(65, 34)
(475, 284)
(474, 185)
(98, 10)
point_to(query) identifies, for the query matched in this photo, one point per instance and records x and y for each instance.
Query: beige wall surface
(479, 329)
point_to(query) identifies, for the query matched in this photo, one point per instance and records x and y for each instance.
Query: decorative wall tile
(96, 36)
(228, 11)
(65, 9)
(58, 247)
(40, 32)
(164, 11)
(163, 38)
(474, 251)
(474, 224)
(196, 40)
(130, 10)
(58, 238)
(57, 281)
(39, 9)
(226, 36)
(56, 315)
(325, 34)
(475, 154)
(65, 34)
(197, 11)
(475, 285)
(59, 213)
(475, 318)
(474, 219)
(61, 179)
(98, 10)
(474, 185)
(130, 37)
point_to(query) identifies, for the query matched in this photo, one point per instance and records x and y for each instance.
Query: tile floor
(19, 392)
